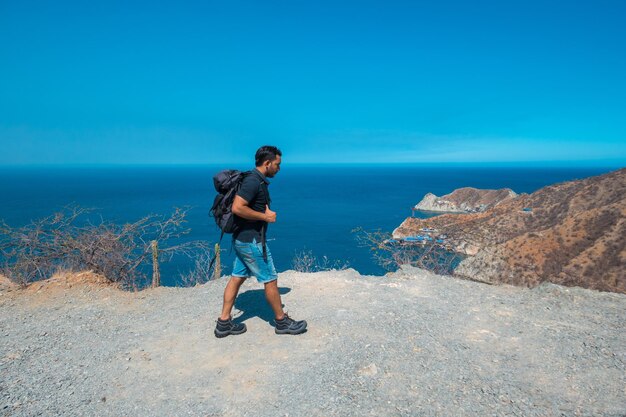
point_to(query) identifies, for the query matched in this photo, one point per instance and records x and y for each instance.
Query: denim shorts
(249, 261)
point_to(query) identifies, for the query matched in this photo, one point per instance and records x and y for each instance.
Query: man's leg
(284, 324)
(225, 326)
(265, 272)
(273, 299)
(230, 293)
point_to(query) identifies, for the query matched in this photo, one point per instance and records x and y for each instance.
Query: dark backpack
(227, 184)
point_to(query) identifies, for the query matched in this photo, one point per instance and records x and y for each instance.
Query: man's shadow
(252, 303)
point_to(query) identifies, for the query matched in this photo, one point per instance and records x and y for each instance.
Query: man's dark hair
(266, 153)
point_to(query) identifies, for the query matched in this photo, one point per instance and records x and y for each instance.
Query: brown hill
(571, 233)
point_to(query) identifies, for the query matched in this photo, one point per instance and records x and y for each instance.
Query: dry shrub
(391, 255)
(71, 240)
(305, 261)
(200, 273)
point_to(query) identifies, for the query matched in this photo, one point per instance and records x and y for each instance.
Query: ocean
(317, 206)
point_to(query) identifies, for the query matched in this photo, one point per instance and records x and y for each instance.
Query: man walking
(251, 208)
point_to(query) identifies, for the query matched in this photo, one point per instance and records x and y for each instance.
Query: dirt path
(408, 344)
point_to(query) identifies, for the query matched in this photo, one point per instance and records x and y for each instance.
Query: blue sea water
(317, 206)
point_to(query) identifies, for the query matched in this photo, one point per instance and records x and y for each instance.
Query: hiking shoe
(289, 326)
(224, 328)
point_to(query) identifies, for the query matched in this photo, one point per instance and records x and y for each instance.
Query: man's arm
(241, 209)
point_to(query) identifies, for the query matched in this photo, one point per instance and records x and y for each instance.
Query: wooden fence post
(217, 271)
(156, 274)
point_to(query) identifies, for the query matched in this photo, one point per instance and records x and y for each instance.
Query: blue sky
(327, 82)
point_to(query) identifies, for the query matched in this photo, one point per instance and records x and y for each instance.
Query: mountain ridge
(571, 233)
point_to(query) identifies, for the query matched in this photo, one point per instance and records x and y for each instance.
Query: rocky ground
(409, 344)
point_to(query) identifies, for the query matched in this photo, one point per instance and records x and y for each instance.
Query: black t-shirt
(254, 190)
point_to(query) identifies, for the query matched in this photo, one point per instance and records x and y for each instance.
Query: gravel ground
(408, 344)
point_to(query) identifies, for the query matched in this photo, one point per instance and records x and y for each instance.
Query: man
(251, 208)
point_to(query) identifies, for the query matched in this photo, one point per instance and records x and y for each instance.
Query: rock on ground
(408, 344)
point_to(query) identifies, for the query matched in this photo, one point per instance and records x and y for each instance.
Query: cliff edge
(411, 343)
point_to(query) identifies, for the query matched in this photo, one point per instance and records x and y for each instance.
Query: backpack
(227, 183)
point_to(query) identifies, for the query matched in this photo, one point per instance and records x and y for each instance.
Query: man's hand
(270, 216)
(241, 209)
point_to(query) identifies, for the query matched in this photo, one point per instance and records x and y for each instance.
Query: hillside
(465, 200)
(411, 343)
(572, 233)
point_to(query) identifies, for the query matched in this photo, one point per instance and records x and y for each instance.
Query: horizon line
(227, 165)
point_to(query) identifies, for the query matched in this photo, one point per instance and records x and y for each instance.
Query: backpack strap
(268, 201)
(264, 241)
